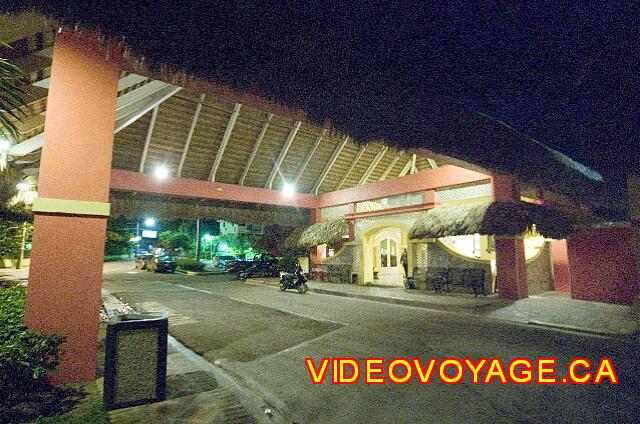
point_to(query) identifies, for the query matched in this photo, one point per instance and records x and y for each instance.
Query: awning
(324, 232)
(492, 218)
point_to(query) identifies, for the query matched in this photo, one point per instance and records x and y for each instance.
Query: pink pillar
(511, 279)
(351, 209)
(560, 259)
(65, 277)
(603, 267)
(314, 257)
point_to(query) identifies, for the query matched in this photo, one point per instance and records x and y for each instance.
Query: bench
(443, 278)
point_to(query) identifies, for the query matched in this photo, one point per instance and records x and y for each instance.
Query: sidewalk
(194, 394)
(551, 309)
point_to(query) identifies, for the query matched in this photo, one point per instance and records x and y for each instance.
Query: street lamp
(149, 222)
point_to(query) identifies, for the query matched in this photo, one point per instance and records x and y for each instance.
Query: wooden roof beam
(256, 146)
(406, 169)
(142, 106)
(374, 163)
(192, 129)
(432, 163)
(388, 169)
(147, 141)
(329, 164)
(413, 163)
(310, 155)
(283, 153)
(353, 165)
(224, 142)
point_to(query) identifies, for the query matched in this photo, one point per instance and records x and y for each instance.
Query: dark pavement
(260, 336)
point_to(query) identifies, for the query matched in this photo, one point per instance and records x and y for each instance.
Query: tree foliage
(11, 96)
(117, 238)
(176, 240)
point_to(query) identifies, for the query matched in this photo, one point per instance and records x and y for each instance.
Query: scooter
(294, 281)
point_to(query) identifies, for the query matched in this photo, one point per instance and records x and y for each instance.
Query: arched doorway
(387, 247)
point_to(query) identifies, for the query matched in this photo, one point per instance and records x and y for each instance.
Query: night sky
(565, 75)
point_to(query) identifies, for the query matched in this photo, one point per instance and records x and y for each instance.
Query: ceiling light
(288, 190)
(23, 186)
(161, 172)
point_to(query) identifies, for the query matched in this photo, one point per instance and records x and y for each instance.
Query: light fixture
(22, 186)
(149, 222)
(5, 144)
(223, 247)
(161, 172)
(135, 239)
(288, 190)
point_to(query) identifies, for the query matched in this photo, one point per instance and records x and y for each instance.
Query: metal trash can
(135, 370)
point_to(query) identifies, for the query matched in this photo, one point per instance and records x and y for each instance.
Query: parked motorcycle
(258, 269)
(294, 281)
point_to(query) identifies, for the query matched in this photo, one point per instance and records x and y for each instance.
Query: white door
(388, 257)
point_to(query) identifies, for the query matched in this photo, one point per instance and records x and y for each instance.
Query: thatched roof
(293, 239)
(163, 207)
(361, 92)
(323, 232)
(492, 218)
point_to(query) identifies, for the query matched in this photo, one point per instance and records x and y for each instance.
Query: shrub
(25, 356)
(190, 265)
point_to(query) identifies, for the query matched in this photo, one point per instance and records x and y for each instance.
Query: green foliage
(12, 98)
(237, 245)
(10, 239)
(189, 265)
(25, 356)
(117, 238)
(174, 240)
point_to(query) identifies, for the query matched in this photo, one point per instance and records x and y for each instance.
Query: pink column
(65, 277)
(314, 257)
(560, 259)
(511, 278)
(351, 209)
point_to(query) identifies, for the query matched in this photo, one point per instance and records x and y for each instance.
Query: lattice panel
(461, 193)
(408, 199)
(333, 212)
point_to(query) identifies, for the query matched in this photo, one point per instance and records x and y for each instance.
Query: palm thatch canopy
(323, 232)
(492, 218)
(432, 126)
(293, 238)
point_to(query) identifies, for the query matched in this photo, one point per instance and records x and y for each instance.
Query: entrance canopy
(492, 218)
(210, 128)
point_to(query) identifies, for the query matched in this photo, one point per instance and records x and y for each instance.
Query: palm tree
(11, 96)
(11, 102)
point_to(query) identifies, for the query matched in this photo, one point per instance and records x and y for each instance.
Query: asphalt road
(261, 336)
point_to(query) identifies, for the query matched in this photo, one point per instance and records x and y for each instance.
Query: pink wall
(560, 260)
(602, 263)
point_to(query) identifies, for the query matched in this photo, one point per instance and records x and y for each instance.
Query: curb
(457, 310)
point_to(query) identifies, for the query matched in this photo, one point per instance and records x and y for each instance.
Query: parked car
(142, 260)
(259, 269)
(163, 263)
(233, 267)
(219, 261)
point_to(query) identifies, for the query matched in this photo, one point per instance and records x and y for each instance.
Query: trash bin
(135, 370)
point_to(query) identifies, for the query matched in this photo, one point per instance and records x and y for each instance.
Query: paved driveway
(261, 336)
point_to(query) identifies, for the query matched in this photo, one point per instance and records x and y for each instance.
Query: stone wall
(539, 272)
(342, 265)
(438, 256)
